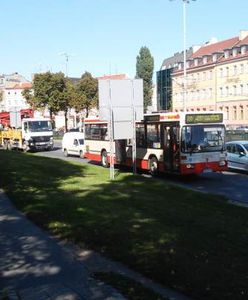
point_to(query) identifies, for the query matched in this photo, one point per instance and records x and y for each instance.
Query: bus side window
(104, 133)
(153, 136)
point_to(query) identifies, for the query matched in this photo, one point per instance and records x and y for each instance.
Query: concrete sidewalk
(33, 266)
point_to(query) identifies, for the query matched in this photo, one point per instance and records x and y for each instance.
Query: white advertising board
(124, 99)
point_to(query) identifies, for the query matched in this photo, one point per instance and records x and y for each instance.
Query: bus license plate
(207, 170)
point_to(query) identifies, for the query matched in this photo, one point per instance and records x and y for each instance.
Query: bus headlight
(190, 166)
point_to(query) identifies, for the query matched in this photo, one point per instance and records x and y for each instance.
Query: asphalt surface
(232, 185)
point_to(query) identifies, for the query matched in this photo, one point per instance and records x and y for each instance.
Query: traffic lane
(234, 186)
(57, 153)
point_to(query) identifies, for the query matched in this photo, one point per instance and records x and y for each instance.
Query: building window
(235, 52)
(221, 72)
(241, 112)
(234, 113)
(241, 89)
(221, 92)
(210, 93)
(243, 49)
(227, 91)
(226, 53)
(241, 69)
(227, 72)
(234, 90)
(235, 70)
(210, 75)
(227, 113)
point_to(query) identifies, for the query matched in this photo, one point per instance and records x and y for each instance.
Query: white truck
(28, 134)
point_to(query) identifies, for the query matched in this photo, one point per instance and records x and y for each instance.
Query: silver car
(237, 155)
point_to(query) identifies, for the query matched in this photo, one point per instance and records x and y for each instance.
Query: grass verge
(195, 243)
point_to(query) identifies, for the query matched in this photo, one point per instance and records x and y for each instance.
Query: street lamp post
(184, 55)
(185, 2)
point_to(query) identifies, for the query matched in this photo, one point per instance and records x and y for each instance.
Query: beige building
(216, 79)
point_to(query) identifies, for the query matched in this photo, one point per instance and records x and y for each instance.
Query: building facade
(11, 87)
(216, 79)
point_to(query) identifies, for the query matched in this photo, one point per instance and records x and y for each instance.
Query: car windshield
(246, 147)
(202, 138)
(39, 126)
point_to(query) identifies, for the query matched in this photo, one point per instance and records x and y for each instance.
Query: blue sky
(105, 36)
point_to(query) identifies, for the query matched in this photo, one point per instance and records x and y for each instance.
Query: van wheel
(81, 154)
(65, 153)
(104, 159)
(153, 165)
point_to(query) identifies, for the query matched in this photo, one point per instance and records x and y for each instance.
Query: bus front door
(171, 147)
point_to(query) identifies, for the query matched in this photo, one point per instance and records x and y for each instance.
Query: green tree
(85, 93)
(51, 92)
(144, 70)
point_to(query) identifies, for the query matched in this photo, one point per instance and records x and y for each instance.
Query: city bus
(182, 143)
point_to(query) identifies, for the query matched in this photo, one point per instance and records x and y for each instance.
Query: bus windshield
(41, 125)
(202, 138)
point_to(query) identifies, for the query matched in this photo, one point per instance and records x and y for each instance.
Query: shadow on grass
(185, 240)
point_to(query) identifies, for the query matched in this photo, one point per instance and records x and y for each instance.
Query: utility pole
(66, 55)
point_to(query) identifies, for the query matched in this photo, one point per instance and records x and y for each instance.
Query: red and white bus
(183, 143)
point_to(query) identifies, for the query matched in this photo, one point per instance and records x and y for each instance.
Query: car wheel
(104, 159)
(65, 153)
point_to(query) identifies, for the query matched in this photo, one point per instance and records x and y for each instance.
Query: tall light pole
(185, 2)
(184, 55)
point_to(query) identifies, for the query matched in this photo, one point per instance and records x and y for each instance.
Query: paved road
(232, 185)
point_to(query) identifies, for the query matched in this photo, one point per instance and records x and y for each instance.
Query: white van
(73, 144)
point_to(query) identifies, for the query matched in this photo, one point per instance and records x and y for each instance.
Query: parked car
(73, 144)
(237, 155)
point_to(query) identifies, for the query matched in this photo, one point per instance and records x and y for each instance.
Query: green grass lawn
(195, 243)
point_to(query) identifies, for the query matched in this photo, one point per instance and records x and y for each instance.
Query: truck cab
(37, 134)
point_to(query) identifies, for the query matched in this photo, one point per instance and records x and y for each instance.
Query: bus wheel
(153, 163)
(104, 159)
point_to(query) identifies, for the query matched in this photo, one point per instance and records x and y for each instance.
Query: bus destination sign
(203, 118)
(152, 118)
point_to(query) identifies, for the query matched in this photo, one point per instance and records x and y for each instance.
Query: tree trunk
(66, 121)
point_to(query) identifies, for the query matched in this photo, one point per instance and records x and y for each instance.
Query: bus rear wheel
(153, 165)
(104, 159)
